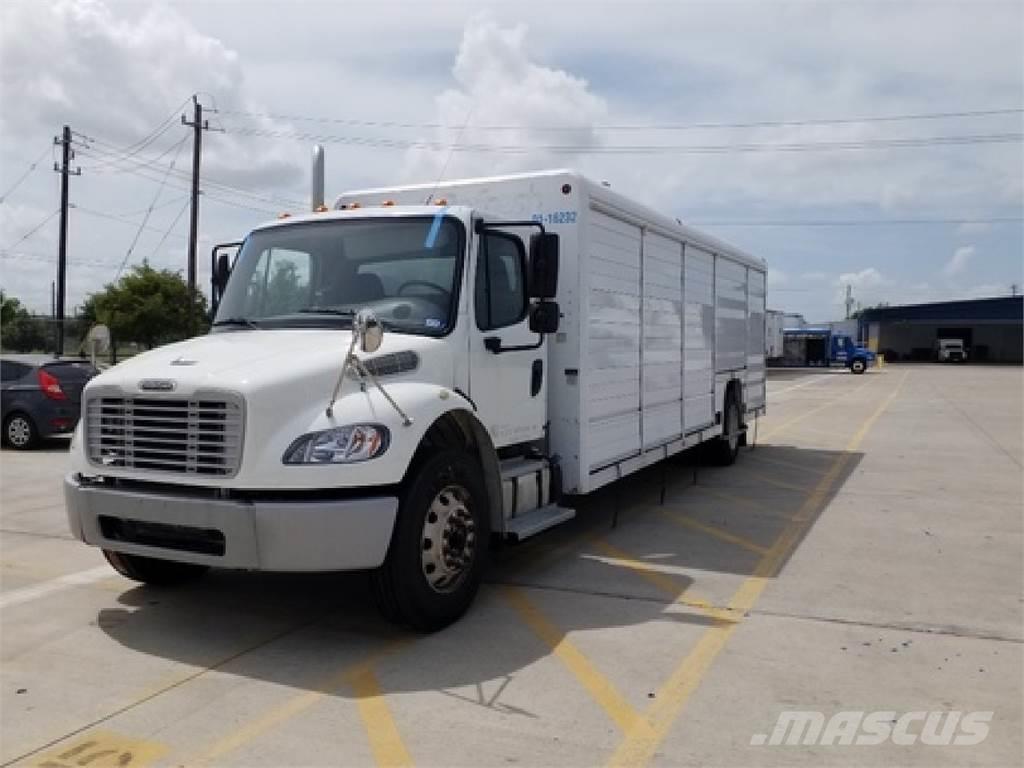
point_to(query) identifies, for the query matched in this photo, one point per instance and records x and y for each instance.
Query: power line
(145, 218)
(641, 149)
(34, 229)
(162, 127)
(634, 127)
(167, 233)
(856, 222)
(32, 166)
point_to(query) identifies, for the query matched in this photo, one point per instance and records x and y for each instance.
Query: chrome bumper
(331, 535)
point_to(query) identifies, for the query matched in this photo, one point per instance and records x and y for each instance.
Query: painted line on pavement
(602, 690)
(59, 584)
(385, 740)
(714, 532)
(817, 409)
(640, 745)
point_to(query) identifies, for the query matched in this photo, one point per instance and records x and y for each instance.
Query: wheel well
(460, 429)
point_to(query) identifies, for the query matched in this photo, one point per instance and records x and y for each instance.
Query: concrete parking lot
(865, 557)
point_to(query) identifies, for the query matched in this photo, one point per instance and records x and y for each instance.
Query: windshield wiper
(327, 311)
(244, 322)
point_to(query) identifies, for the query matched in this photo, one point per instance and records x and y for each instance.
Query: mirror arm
(493, 344)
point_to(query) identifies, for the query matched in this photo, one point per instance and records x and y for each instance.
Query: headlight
(341, 445)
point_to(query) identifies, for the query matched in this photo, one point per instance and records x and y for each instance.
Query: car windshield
(318, 274)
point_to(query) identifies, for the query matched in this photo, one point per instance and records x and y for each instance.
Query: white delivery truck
(396, 382)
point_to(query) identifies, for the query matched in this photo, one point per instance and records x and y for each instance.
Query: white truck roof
(429, 192)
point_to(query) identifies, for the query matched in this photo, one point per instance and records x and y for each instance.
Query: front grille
(201, 435)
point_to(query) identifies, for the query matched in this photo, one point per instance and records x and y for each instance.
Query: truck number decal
(555, 217)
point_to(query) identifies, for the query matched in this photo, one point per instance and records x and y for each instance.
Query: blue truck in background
(821, 348)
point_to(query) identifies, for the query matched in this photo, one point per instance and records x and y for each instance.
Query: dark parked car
(41, 396)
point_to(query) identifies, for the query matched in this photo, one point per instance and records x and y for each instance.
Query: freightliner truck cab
(356, 357)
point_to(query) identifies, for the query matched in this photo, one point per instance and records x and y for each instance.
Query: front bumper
(328, 535)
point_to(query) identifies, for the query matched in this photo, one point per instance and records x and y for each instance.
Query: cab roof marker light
(284, 215)
(388, 203)
(441, 201)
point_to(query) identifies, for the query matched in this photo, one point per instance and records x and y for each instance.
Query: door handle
(536, 377)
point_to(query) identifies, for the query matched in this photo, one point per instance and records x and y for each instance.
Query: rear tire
(439, 546)
(149, 570)
(20, 431)
(724, 450)
(858, 366)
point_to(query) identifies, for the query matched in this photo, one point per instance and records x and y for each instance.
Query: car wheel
(858, 366)
(20, 431)
(439, 546)
(150, 570)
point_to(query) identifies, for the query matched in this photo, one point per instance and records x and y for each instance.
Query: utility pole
(849, 300)
(67, 154)
(198, 125)
(1013, 289)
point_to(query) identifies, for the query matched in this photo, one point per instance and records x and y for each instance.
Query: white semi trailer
(394, 383)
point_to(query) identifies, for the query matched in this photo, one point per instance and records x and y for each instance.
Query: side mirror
(371, 332)
(544, 317)
(220, 271)
(542, 278)
(223, 272)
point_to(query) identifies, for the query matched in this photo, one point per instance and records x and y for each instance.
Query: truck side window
(500, 294)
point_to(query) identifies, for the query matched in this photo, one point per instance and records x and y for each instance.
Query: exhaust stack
(316, 200)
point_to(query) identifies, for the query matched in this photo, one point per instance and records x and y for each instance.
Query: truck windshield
(319, 274)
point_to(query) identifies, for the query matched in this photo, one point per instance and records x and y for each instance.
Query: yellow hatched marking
(741, 501)
(100, 749)
(758, 458)
(780, 483)
(385, 740)
(714, 532)
(639, 746)
(352, 676)
(662, 581)
(599, 687)
(807, 414)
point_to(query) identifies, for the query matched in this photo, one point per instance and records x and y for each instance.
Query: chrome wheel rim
(19, 431)
(448, 541)
(858, 366)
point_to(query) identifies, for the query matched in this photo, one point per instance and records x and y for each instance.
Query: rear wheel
(858, 365)
(726, 448)
(439, 545)
(20, 431)
(149, 570)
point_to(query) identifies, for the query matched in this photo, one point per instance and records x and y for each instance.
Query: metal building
(992, 329)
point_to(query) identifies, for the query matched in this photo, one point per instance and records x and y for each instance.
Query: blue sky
(115, 71)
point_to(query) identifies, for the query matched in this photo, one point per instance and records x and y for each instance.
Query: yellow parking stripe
(639, 745)
(662, 581)
(599, 687)
(740, 501)
(385, 740)
(758, 457)
(352, 675)
(714, 532)
(807, 414)
(768, 479)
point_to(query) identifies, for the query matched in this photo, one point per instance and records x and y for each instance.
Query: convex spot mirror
(544, 317)
(371, 332)
(542, 277)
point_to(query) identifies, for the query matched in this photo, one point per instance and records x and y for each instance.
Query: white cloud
(115, 78)
(499, 83)
(865, 278)
(960, 260)
(776, 278)
(973, 228)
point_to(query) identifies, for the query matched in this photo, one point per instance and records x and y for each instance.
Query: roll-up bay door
(698, 338)
(662, 344)
(613, 340)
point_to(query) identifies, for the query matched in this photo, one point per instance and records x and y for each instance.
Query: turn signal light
(50, 386)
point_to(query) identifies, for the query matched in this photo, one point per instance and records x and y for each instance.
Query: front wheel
(858, 366)
(149, 570)
(439, 545)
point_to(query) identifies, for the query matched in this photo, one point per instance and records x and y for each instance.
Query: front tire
(858, 366)
(439, 546)
(20, 431)
(149, 570)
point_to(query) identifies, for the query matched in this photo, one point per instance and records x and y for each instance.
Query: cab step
(536, 520)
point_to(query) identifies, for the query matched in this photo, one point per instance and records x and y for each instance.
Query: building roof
(1008, 309)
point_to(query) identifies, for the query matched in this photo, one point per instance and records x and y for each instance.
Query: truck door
(508, 363)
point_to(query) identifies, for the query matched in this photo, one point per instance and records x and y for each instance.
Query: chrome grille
(200, 435)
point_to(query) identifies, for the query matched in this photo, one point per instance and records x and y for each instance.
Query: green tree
(147, 306)
(19, 330)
